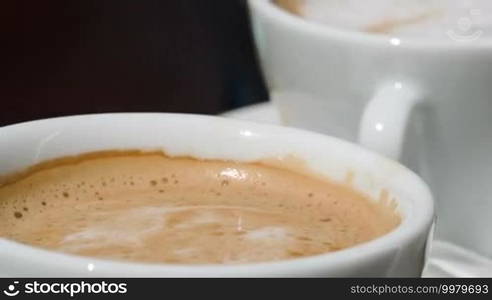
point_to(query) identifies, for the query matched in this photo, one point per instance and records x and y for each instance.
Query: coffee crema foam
(451, 19)
(148, 207)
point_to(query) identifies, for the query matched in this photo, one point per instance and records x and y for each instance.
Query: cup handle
(386, 116)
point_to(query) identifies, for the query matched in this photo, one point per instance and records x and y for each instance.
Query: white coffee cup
(425, 102)
(399, 253)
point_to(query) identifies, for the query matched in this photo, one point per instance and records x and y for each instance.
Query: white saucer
(446, 260)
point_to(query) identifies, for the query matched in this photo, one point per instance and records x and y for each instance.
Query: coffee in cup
(421, 18)
(149, 207)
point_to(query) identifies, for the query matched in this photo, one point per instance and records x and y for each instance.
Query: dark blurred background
(88, 56)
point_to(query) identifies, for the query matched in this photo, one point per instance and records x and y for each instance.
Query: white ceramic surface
(427, 102)
(399, 253)
(445, 259)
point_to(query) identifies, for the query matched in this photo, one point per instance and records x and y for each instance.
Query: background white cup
(425, 102)
(399, 253)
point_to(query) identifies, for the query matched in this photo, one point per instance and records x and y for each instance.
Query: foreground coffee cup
(425, 101)
(398, 253)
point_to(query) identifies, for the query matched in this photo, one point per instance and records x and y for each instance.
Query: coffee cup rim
(87, 266)
(309, 27)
